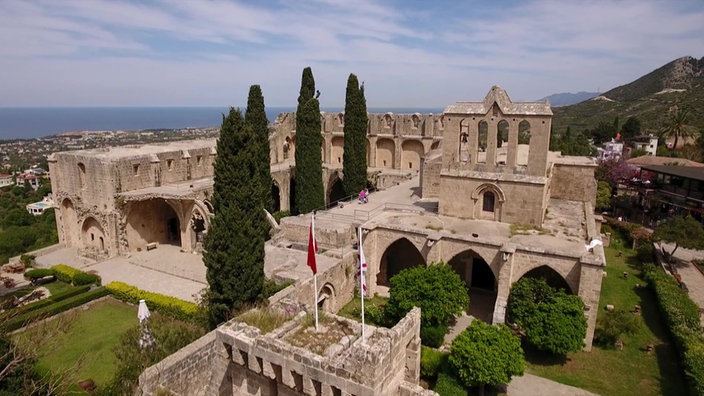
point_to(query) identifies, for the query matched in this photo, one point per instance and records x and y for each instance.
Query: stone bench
(152, 245)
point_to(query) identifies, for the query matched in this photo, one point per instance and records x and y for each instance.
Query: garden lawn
(632, 371)
(85, 347)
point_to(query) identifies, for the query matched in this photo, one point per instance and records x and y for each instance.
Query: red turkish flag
(312, 247)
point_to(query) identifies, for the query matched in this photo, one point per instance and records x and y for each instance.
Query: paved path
(691, 276)
(532, 385)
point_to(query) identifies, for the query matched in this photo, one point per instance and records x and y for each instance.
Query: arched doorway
(335, 191)
(198, 229)
(292, 196)
(93, 236)
(480, 281)
(275, 196)
(326, 298)
(552, 277)
(152, 220)
(398, 256)
(69, 222)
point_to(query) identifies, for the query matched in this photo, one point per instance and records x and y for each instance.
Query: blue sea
(36, 122)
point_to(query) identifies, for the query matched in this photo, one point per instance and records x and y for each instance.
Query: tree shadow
(541, 358)
(672, 380)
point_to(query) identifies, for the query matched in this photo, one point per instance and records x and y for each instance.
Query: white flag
(362, 264)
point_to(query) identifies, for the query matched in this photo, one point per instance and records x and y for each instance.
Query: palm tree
(676, 125)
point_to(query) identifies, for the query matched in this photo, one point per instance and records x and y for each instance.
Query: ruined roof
(500, 97)
(112, 153)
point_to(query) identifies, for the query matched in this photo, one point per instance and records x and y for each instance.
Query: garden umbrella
(145, 334)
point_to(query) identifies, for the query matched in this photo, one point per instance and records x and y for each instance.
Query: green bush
(167, 305)
(53, 309)
(448, 385)
(280, 215)
(27, 260)
(38, 273)
(64, 273)
(646, 254)
(84, 278)
(432, 362)
(433, 336)
(681, 316)
(613, 324)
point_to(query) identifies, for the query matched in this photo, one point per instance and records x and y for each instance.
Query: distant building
(28, 179)
(649, 143)
(612, 150)
(5, 180)
(38, 208)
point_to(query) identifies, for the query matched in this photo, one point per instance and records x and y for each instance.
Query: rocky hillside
(680, 82)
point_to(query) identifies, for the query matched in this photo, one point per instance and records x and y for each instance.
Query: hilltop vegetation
(680, 82)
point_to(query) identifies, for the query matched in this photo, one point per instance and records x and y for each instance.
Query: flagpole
(361, 278)
(315, 277)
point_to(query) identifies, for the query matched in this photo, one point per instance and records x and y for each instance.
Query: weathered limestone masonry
(120, 199)
(386, 363)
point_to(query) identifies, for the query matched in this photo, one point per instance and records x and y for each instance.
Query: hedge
(448, 385)
(167, 305)
(75, 277)
(50, 300)
(681, 316)
(53, 309)
(64, 273)
(432, 361)
(38, 273)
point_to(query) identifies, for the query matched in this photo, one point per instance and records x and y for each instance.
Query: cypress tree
(255, 119)
(234, 245)
(354, 165)
(309, 171)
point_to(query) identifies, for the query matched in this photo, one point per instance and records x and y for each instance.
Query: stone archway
(481, 282)
(552, 277)
(398, 256)
(276, 196)
(69, 221)
(336, 191)
(93, 238)
(326, 298)
(198, 228)
(385, 153)
(152, 220)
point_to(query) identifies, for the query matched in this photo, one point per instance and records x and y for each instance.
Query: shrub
(27, 260)
(280, 215)
(613, 324)
(84, 278)
(53, 309)
(64, 273)
(38, 273)
(167, 305)
(552, 319)
(432, 362)
(433, 336)
(47, 301)
(486, 354)
(448, 385)
(436, 289)
(646, 253)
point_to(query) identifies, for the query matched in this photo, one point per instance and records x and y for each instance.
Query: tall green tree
(354, 166)
(676, 126)
(309, 171)
(234, 245)
(631, 128)
(255, 119)
(682, 231)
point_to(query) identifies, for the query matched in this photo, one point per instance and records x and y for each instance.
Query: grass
(330, 332)
(57, 287)
(265, 319)
(84, 347)
(353, 309)
(631, 371)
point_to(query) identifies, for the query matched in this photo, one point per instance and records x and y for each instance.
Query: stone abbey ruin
(491, 200)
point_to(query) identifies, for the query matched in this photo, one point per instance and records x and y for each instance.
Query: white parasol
(145, 339)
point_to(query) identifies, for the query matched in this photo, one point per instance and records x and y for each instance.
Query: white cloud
(208, 53)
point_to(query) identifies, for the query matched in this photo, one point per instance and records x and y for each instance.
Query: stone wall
(563, 185)
(265, 364)
(198, 368)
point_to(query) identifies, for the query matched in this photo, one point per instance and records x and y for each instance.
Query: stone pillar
(506, 255)
(512, 151)
(589, 290)
(491, 144)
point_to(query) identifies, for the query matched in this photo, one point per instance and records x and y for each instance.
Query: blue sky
(408, 53)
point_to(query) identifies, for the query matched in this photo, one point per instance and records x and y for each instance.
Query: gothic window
(464, 141)
(488, 199)
(482, 141)
(82, 175)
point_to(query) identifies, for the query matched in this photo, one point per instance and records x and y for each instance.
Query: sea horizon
(32, 122)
